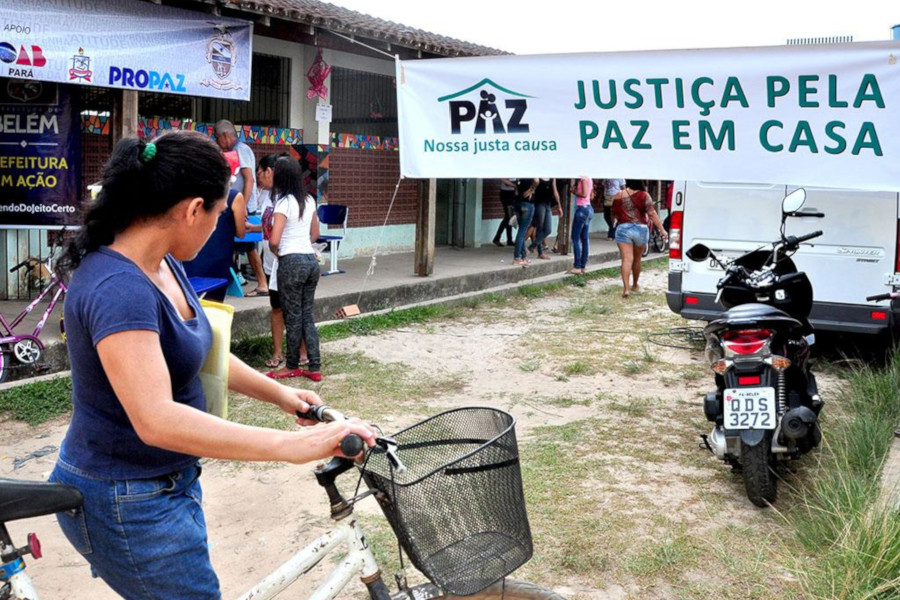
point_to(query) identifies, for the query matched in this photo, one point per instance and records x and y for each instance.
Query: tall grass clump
(844, 519)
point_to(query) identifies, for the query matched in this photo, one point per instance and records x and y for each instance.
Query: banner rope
(371, 269)
(372, 48)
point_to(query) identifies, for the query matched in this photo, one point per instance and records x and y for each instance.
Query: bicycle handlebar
(19, 266)
(351, 445)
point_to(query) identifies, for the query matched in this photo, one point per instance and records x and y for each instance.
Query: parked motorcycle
(766, 404)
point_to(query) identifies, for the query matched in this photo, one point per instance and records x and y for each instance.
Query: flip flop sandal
(274, 363)
(257, 293)
(285, 375)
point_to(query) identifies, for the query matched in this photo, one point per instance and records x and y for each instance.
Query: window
(269, 95)
(364, 103)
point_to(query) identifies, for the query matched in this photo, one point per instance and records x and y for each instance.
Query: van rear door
(855, 256)
(730, 218)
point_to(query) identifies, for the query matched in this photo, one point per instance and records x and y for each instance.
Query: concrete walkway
(392, 284)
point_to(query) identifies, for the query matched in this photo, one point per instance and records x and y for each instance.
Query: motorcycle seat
(753, 311)
(756, 315)
(26, 499)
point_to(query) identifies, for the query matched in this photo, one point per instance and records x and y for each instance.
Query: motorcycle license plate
(749, 408)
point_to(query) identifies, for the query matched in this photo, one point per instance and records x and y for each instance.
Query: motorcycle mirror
(793, 201)
(698, 252)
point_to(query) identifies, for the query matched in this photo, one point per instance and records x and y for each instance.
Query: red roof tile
(349, 22)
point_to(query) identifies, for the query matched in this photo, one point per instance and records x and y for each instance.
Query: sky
(561, 26)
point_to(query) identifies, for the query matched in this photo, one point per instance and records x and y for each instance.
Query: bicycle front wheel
(513, 590)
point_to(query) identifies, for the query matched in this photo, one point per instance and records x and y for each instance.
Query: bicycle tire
(660, 243)
(5, 359)
(513, 590)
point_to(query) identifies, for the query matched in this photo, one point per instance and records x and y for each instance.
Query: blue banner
(40, 166)
(127, 44)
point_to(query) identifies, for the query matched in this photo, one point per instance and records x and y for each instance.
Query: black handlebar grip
(808, 236)
(877, 297)
(19, 266)
(352, 445)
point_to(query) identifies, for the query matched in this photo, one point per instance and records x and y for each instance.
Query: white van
(857, 256)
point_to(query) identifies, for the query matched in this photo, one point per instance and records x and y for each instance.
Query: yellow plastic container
(214, 374)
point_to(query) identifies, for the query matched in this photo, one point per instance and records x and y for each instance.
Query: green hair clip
(149, 152)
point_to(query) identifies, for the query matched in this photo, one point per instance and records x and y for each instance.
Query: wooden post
(425, 219)
(564, 231)
(124, 117)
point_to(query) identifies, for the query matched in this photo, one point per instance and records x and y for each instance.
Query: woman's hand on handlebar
(294, 401)
(324, 441)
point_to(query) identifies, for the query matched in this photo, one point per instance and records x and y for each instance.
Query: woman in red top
(630, 211)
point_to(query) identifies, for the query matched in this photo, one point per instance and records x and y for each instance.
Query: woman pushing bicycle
(137, 338)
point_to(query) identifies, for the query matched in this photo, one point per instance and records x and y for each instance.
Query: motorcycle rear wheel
(759, 472)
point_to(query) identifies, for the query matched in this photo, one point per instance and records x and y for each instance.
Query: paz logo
(508, 119)
(221, 54)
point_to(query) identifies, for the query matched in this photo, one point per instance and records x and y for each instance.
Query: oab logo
(487, 110)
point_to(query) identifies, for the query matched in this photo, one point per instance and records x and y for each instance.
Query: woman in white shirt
(295, 228)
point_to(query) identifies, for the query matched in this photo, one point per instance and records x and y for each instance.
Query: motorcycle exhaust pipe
(797, 422)
(717, 442)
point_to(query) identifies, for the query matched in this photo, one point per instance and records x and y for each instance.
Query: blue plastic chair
(333, 215)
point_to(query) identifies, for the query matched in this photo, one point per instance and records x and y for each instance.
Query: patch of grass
(359, 386)
(37, 402)
(579, 367)
(855, 536)
(635, 367)
(633, 407)
(529, 366)
(568, 401)
(588, 309)
(667, 556)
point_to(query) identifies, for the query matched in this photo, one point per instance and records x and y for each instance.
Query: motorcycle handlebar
(793, 241)
(887, 296)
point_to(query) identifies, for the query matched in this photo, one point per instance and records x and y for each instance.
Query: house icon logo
(490, 97)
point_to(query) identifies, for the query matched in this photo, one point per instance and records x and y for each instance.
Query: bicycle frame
(358, 559)
(55, 281)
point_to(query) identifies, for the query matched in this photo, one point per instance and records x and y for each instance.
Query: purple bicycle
(27, 349)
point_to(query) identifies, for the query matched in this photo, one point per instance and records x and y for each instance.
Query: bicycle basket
(458, 510)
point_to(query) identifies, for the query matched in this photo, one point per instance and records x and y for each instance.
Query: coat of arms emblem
(221, 54)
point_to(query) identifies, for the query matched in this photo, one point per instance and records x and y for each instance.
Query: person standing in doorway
(581, 224)
(524, 214)
(508, 199)
(245, 183)
(546, 196)
(612, 188)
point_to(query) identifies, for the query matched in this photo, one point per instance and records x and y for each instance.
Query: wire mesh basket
(458, 510)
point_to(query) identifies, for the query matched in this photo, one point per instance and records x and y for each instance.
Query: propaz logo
(508, 120)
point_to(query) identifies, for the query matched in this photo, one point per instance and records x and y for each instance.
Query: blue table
(256, 236)
(203, 285)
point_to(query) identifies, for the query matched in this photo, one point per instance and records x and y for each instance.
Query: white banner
(126, 44)
(825, 115)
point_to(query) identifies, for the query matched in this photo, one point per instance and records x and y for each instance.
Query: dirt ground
(669, 511)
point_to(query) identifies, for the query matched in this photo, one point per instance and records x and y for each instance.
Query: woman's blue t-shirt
(108, 293)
